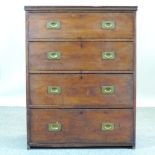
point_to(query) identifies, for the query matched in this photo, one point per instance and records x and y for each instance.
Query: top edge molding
(79, 8)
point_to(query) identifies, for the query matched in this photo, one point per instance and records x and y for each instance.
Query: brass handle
(107, 90)
(54, 90)
(108, 55)
(55, 55)
(54, 127)
(53, 24)
(109, 25)
(107, 126)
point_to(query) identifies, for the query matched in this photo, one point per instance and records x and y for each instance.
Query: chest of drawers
(80, 76)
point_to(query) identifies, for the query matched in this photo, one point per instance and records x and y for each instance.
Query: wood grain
(81, 25)
(82, 90)
(82, 126)
(81, 108)
(81, 56)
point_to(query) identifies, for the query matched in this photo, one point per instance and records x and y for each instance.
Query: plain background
(12, 47)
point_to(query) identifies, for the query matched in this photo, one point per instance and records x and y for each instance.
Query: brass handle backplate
(53, 24)
(107, 90)
(54, 55)
(54, 90)
(54, 127)
(107, 126)
(109, 25)
(108, 55)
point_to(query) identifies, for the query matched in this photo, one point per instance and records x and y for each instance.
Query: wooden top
(80, 8)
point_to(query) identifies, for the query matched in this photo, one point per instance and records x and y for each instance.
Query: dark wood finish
(81, 8)
(27, 83)
(82, 56)
(80, 36)
(82, 126)
(78, 90)
(134, 82)
(81, 25)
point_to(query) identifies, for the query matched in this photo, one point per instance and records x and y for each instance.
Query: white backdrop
(12, 47)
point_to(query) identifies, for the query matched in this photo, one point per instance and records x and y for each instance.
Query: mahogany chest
(81, 89)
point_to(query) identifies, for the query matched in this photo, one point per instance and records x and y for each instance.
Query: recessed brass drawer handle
(54, 90)
(54, 55)
(53, 24)
(109, 25)
(108, 55)
(54, 127)
(107, 90)
(107, 126)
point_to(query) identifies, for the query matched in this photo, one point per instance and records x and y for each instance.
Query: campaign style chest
(80, 76)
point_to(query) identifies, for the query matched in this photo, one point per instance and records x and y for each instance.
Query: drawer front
(67, 126)
(81, 56)
(81, 90)
(81, 25)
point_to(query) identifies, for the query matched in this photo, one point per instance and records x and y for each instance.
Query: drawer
(81, 90)
(81, 55)
(81, 25)
(79, 127)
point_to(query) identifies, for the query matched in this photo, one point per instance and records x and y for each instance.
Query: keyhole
(81, 76)
(81, 45)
